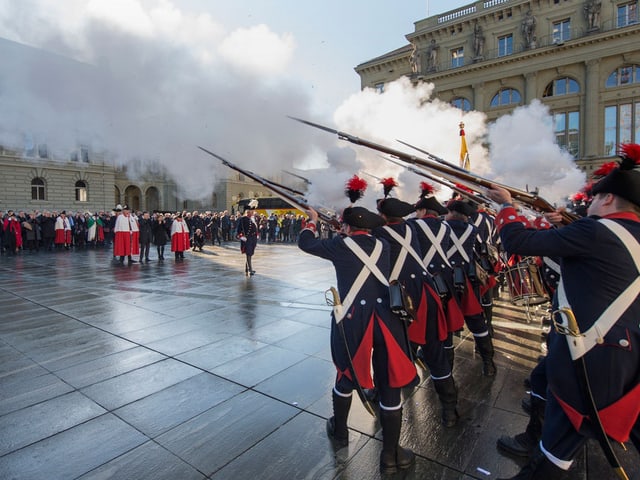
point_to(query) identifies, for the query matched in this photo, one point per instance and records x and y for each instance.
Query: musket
(284, 193)
(535, 201)
(473, 196)
(305, 180)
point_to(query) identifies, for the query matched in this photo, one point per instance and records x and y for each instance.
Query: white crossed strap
(458, 244)
(369, 267)
(580, 345)
(553, 265)
(436, 244)
(405, 243)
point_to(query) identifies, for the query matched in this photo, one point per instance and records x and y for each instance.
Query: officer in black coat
(145, 224)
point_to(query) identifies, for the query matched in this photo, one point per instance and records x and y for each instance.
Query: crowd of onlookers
(35, 231)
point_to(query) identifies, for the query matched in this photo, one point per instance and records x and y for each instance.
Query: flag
(464, 153)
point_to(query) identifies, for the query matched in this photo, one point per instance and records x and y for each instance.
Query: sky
(156, 78)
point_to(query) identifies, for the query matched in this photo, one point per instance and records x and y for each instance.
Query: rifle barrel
(279, 191)
(534, 201)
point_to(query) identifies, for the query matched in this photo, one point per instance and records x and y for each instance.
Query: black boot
(393, 457)
(451, 355)
(448, 394)
(337, 425)
(540, 468)
(523, 444)
(488, 314)
(485, 348)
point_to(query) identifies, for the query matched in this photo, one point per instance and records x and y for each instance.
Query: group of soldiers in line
(439, 262)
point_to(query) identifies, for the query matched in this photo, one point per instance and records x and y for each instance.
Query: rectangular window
(567, 131)
(505, 45)
(457, 57)
(81, 194)
(379, 87)
(561, 31)
(621, 125)
(627, 14)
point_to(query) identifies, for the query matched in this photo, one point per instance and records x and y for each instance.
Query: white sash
(580, 345)
(369, 267)
(458, 244)
(405, 243)
(436, 244)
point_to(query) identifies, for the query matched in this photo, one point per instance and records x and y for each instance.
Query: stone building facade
(580, 58)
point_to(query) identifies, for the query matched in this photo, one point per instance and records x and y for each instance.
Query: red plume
(605, 169)
(579, 197)
(388, 184)
(630, 154)
(355, 188)
(426, 189)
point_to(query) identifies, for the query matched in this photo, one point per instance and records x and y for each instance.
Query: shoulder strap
(579, 346)
(405, 243)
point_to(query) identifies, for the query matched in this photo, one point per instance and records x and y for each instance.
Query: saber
(283, 192)
(572, 332)
(334, 301)
(535, 201)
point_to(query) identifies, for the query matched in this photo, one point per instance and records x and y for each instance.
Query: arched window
(38, 189)
(506, 96)
(561, 86)
(461, 103)
(81, 191)
(624, 76)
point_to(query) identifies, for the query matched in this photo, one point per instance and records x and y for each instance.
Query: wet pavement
(192, 370)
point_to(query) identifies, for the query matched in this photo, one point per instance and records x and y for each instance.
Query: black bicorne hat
(393, 207)
(360, 217)
(431, 203)
(464, 208)
(623, 181)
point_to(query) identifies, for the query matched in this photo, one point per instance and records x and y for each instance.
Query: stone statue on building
(592, 14)
(478, 42)
(529, 30)
(432, 55)
(415, 60)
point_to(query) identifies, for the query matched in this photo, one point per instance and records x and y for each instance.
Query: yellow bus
(269, 205)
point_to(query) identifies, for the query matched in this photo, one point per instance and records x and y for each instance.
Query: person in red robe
(126, 241)
(63, 230)
(179, 237)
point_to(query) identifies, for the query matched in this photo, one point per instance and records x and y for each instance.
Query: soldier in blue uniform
(373, 335)
(462, 257)
(434, 237)
(429, 326)
(600, 283)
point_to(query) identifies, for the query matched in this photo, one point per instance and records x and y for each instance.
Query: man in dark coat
(146, 234)
(600, 283)
(247, 233)
(373, 335)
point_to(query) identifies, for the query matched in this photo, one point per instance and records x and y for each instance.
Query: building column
(592, 134)
(478, 97)
(530, 86)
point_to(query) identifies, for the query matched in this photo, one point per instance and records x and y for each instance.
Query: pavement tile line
(289, 286)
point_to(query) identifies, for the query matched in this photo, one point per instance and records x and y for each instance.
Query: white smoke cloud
(146, 81)
(518, 149)
(524, 154)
